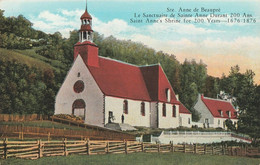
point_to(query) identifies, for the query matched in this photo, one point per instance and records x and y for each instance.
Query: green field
(9, 55)
(138, 158)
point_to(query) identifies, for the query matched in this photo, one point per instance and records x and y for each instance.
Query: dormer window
(220, 113)
(235, 113)
(229, 114)
(168, 94)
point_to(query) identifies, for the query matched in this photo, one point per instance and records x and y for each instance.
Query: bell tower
(85, 46)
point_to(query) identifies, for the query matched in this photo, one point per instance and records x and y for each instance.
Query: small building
(102, 90)
(214, 112)
(185, 116)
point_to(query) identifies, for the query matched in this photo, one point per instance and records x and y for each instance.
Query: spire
(86, 6)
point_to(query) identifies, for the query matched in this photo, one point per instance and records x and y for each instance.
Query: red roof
(124, 80)
(183, 109)
(86, 15)
(85, 28)
(215, 106)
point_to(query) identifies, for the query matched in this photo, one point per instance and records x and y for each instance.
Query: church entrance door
(79, 108)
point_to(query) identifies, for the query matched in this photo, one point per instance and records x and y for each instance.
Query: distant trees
(26, 90)
(17, 33)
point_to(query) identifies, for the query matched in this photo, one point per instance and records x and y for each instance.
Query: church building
(103, 90)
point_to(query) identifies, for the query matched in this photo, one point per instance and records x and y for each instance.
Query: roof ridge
(216, 99)
(149, 65)
(122, 62)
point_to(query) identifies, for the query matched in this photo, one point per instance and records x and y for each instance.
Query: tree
(230, 125)
(247, 94)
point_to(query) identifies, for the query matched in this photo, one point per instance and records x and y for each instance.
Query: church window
(173, 111)
(78, 74)
(143, 109)
(164, 110)
(125, 107)
(78, 86)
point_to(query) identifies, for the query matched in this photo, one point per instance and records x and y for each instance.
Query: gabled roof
(216, 105)
(183, 109)
(119, 79)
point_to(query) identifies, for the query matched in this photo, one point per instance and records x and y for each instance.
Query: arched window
(168, 94)
(84, 35)
(125, 107)
(79, 108)
(173, 111)
(164, 110)
(142, 109)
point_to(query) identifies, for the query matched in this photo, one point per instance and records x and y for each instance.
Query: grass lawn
(138, 158)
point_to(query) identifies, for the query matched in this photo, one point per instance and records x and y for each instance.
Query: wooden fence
(22, 132)
(38, 149)
(19, 118)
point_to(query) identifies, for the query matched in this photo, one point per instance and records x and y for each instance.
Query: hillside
(23, 58)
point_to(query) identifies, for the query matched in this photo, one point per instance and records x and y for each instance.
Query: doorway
(79, 108)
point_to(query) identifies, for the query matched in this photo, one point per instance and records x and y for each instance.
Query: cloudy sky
(219, 45)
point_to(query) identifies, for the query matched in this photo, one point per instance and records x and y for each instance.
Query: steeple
(86, 6)
(85, 47)
(86, 32)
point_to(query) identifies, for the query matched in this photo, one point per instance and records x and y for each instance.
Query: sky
(219, 45)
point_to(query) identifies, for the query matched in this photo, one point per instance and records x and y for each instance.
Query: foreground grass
(138, 158)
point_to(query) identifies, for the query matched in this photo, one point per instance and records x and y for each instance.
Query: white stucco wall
(168, 121)
(221, 121)
(91, 94)
(134, 116)
(208, 137)
(154, 115)
(184, 120)
(203, 110)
